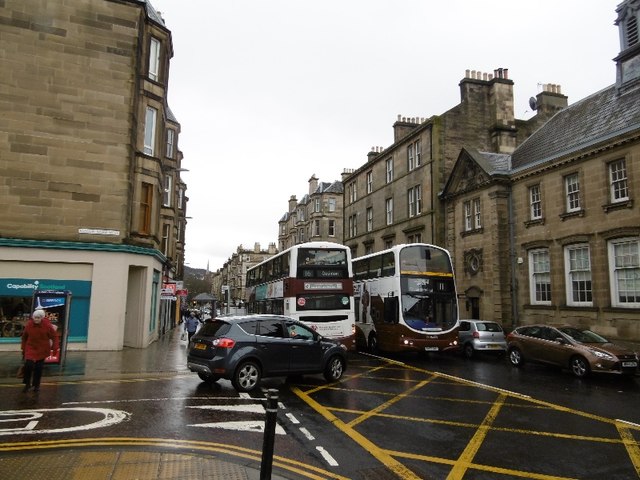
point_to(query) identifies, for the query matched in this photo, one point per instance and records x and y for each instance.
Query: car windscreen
(214, 329)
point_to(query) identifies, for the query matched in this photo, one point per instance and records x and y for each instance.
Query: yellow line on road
(631, 445)
(435, 421)
(387, 460)
(307, 471)
(386, 405)
(500, 470)
(465, 460)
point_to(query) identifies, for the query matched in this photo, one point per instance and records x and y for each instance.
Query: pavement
(114, 459)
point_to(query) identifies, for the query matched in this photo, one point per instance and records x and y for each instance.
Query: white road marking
(292, 418)
(110, 417)
(307, 433)
(245, 426)
(163, 399)
(330, 460)
(628, 423)
(231, 408)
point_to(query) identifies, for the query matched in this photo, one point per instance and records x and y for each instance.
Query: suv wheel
(515, 357)
(579, 366)
(468, 350)
(334, 369)
(246, 377)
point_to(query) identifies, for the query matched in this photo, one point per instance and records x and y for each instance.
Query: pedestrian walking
(39, 338)
(191, 325)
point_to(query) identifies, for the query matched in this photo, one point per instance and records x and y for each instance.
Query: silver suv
(481, 336)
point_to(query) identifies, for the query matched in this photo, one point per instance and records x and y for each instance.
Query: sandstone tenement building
(90, 184)
(316, 217)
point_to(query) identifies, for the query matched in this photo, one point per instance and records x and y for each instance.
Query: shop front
(16, 306)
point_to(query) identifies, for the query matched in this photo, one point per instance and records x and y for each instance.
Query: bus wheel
(468, 350)
(373, 343)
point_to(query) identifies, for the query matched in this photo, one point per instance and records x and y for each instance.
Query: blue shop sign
(24, 287)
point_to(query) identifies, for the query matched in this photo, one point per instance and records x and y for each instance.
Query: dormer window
(632, 31)
(627, 22)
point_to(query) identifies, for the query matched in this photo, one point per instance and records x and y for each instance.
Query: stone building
(93, 202)
(551, 232)
(229, 282)
(316, 217)
(393, 197)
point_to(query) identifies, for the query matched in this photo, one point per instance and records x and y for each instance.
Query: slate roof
(153, 14)
(326, 187)
(171, 116)
(492, 163)
(588, 122)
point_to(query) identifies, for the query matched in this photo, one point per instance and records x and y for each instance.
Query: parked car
(481, 336)
(245, 349)
(578, 349)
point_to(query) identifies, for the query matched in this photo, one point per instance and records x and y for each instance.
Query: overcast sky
(270, 92)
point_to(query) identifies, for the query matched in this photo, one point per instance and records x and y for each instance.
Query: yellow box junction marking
(389, 458)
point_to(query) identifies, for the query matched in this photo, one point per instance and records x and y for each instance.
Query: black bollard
(269, 434)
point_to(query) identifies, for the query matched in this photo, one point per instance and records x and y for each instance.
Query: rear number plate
(200, 346)
(629, 364)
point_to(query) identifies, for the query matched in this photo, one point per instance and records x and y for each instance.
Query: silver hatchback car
(481, 336)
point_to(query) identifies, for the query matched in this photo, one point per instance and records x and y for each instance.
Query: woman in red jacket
(38, 339)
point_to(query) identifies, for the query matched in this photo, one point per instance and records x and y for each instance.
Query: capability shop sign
(24, 287)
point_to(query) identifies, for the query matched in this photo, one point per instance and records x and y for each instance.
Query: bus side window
(391, 310)
(388, 265)
(375, 267)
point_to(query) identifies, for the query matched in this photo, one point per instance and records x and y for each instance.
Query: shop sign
(168, 291)
(24, 287)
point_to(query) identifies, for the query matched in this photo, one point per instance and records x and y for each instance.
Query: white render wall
(108, 273)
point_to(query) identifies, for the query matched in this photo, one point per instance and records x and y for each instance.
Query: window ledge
(579, 308)
(577, 213)
(617, 205)
(531, 223)
(538, 306)
(472, 232)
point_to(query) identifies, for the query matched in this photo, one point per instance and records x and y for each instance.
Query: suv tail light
(223, 343)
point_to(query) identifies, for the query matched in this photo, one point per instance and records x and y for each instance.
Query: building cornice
(67, 245)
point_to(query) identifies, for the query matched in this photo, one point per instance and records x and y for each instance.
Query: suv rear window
(215, 328)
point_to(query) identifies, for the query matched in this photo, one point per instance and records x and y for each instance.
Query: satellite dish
(533, 103)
